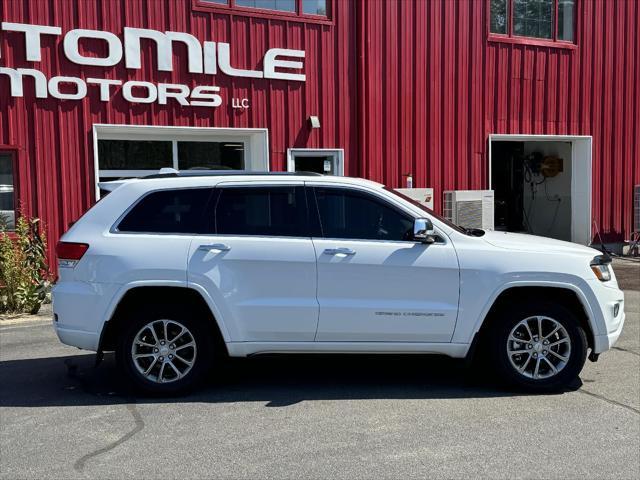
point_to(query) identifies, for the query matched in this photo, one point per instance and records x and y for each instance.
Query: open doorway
(542, 185)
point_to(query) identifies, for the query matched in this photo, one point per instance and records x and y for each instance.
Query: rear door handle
(215, 246)
(339, 251)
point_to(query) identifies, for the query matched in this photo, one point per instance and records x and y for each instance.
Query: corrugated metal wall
(402, 86)
(54, 138)
(432, 88)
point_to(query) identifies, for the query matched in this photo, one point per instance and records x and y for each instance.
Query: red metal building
(459, 94)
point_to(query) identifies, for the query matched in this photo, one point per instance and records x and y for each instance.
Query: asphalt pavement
(316, 417)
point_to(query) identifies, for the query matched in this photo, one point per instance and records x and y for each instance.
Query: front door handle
(215, 246)
(340, 251)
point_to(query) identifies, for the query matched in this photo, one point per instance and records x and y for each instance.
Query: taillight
(69, 253)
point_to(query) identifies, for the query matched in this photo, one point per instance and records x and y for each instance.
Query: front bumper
(610, 301)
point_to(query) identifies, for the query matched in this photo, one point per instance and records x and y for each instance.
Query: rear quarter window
(168, 211)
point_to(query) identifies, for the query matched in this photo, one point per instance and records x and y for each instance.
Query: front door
(374, 283)
(259, 266)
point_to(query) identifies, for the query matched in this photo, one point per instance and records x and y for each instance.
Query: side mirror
(423, 230)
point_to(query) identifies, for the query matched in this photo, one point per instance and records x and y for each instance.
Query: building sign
(202, 58)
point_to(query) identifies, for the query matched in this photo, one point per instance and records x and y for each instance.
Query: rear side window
(354, 215)
(262, 211)
(169, 211)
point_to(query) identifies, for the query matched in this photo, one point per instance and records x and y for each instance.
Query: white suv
(171, 269)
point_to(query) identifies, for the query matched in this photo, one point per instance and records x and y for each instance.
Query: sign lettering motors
(202, 58)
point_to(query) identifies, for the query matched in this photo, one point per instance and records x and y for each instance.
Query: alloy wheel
(164, 351)
(538, 347)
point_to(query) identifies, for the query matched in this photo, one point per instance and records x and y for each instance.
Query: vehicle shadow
(277, 381)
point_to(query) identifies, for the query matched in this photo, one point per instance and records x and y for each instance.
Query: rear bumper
(77, 338)
(79, 309)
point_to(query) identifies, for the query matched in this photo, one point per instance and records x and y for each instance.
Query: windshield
(427, 210)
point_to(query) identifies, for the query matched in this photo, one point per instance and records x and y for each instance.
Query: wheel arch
(567, 295)
(135, 295)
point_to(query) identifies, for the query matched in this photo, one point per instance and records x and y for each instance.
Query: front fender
(471, 323)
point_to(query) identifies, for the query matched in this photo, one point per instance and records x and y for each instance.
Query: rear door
(258, 264)
(375, 284)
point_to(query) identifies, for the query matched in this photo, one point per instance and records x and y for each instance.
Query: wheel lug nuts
(535, 355)
(161, 359)
(162, 343)
(544, 352)
(155, 350)
(546, 342)
(529, 346)
(170, 356)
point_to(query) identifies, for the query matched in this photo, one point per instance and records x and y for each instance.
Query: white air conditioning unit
(636, 208)
(469, 208)
(423, 196)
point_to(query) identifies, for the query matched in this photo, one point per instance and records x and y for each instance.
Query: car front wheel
(538, 346)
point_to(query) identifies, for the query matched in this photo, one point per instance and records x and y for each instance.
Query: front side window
(7, 204)
(262, 211)
(533, 19)
(169, 211)
(351, 214)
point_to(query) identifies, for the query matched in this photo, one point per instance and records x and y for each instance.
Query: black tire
(197, 328)
(498, 337)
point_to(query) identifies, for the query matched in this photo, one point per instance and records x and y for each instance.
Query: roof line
(225, 173)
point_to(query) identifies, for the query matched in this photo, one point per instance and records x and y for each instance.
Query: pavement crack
(139, 425)
(626, 350)
(608, 400)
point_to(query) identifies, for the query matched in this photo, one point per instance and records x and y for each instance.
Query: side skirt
(245, 349)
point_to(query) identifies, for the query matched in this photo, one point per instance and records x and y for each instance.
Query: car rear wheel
(538, 346)
(165, 351)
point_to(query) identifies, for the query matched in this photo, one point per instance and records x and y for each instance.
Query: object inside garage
(532, 183)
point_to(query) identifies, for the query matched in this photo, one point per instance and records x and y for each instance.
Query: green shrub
(24, 273)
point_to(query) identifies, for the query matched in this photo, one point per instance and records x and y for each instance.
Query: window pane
(349, 214)
(268, 211)
(211, 155)
(533, 18)
(498, 16)
(323, 164)
(282, 5)
(7, 207)
(168, 211)
(223, 2)
(316, 7)
(134, 155)
(566, 9)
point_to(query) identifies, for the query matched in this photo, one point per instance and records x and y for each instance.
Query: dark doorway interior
(507, 173)
(318, 164)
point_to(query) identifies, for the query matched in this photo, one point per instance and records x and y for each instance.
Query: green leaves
(24, 272)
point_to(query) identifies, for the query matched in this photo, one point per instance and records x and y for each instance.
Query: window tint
(349, 214)
(168, 211)
(533, 18)
(134, 154)
(284, 5)
(7, 207)
(498, 20)
(269, 211)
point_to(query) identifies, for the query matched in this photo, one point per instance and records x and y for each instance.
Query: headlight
(600, 266)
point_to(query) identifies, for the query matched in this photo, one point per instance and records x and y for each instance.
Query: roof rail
(222, 173)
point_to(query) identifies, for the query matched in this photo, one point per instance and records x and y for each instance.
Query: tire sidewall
(511, 316)
(136, 320)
